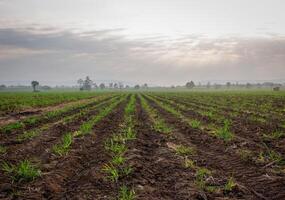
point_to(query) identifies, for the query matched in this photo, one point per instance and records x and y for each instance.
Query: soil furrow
(213, 152)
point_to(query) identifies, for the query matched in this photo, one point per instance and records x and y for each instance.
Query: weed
(127, 170)
(118, 160)
(189, 163)
(115, 147)
(27, 135)
(126, 194)
(224, 132)
(14, 126)
(61, 149)
(195, 123)
(229, 186)
(112, 171)
(184, 150)
(24, 171)
(201, 176)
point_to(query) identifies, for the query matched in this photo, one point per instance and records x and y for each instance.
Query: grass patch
(195, 123)
(64, 146)
(184, 150)
(224, 132)
(230, 185)
(126, 194)
(24, 171)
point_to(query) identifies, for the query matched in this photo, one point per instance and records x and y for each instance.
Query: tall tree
(34, 85)
(80, 82)
(102, 86)
(190, 85)
(87, 83)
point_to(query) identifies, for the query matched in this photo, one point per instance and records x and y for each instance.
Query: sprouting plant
(24, 171)
(202, 173)
(127, 170)
(275, 156)
(261, 157)
(188, 163)
(229, 186)
(112, 171)
(129, 134)
(13, 126)
(195, 123)
(224, 132)
(2, 149)
(184, 150)
(63, 147)
(201, 176)
(126, 194)
(27, 135)
(118, 160)
(115, 147)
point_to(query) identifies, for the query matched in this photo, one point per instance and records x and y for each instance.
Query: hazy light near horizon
(159, 41)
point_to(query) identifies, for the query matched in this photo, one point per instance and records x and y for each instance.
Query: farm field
(143, 145)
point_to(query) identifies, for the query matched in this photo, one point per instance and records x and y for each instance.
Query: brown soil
(261, 183)
(13, 117)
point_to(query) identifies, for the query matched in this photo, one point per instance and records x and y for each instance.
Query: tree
(80, 82)
(87, 84)
(228, 84)
(145, 86)
(208, 85)
(137, 87)
(110, 85)
(102, 86)
(127, 87)
(248, 85)
(95, 85)
(190, 85)
(2, 87)
(121, 85)
(34, 85)
(116, 86)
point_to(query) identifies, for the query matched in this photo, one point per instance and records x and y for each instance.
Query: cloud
(50, 53)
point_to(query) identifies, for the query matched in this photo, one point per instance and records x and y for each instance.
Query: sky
(160, 42)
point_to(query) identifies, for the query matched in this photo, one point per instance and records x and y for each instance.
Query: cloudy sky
(161, 42)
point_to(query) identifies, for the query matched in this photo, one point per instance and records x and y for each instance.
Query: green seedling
(184, 150)
(188, 163)
(27, 135)
(224, 132)
(63, 147)
(126, 194)
(230, 185)
(115, 147)
(112, 171)
(195, 123)
(24, 171)
(127, 170)
(118, 160)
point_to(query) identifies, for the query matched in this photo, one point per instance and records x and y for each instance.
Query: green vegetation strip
(117, 147)
(158, 123)
(68, 119)
(47, 116)
(86, 128)
(220, 132)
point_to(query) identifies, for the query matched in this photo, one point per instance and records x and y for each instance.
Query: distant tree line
(88, 84)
